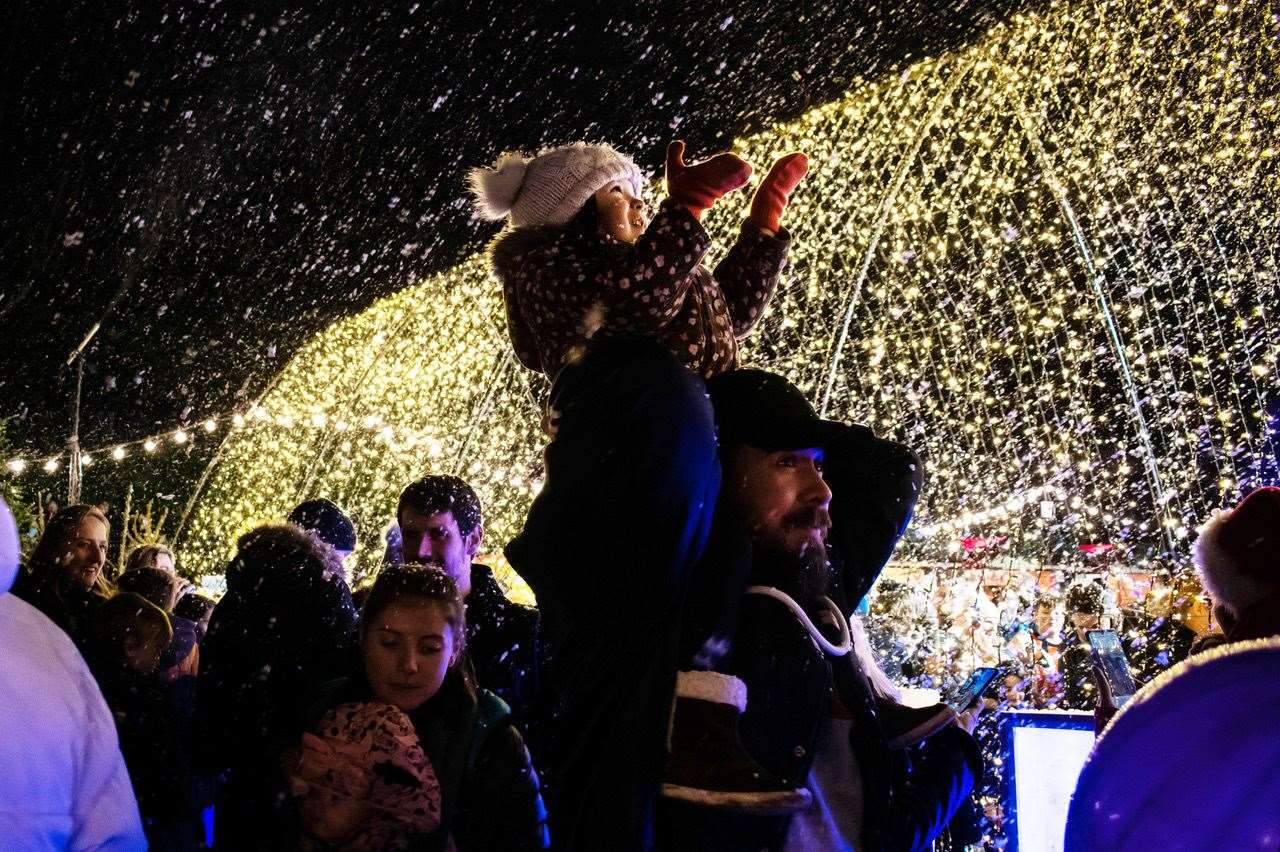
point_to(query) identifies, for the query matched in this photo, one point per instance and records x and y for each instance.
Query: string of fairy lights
(1054, 253)
(394, 436)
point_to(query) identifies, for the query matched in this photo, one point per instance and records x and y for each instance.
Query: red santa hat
(1237, 554)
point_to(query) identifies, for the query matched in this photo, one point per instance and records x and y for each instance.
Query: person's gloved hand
(771, 196)
(698, 186)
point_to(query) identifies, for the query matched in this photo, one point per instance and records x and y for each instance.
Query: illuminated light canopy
(1046, 261)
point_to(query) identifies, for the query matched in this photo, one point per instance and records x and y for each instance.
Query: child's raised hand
(698, 186)
(772, 194)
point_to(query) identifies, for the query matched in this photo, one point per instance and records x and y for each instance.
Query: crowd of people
(694, 675)
(1035, 629)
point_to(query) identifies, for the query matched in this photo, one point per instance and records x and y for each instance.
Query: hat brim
(799, 434)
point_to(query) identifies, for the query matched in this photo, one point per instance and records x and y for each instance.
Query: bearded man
(809, 513)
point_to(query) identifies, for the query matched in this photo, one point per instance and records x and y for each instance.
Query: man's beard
(805, 574)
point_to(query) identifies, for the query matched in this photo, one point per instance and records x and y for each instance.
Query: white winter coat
(63, 782)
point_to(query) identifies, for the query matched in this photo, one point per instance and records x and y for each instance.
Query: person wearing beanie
(325, 519)
(580, 260)
(618, 310)
(1237, 556)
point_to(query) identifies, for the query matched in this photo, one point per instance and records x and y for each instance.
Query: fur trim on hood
(504, 254)
(280, 548)
(513, 242)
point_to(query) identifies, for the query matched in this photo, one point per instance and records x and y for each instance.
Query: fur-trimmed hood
(509, 245)
(276, 551)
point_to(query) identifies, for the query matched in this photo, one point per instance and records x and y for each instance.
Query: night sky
(240, 178)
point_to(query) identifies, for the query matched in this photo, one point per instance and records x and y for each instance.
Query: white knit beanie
(550, 188)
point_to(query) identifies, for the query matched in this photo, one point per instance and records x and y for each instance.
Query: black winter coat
(285, 625)
(151, 741)
(71, 608)
(1075, 666)
(909, 796)
(502, 642)
(563, 287)
(490, 793)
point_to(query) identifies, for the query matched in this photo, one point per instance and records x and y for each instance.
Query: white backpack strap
(846, 640)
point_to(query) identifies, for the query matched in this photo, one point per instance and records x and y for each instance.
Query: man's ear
(473, 540)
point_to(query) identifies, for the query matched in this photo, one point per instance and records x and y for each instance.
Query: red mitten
(771, 196)
(698, 186)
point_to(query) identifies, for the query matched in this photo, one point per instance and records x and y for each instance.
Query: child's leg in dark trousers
(631, 484)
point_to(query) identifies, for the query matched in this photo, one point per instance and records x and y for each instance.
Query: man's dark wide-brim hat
(766, 411)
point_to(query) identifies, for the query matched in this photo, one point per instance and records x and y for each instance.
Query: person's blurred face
(780, 496)
(1046, 618)
(622, 215)
(143, 653)
(407, 649)
(87, 554)
(1084, 622)
(436, 540)
(164, 562)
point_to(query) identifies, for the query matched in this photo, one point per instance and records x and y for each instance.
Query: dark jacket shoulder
(502, 639)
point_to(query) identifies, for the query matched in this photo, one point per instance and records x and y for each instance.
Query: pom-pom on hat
(550, 188)
(1237, 554)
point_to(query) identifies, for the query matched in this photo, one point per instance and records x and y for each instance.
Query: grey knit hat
(550, 188)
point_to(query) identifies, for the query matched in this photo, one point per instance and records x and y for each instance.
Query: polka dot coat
(563, 288)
